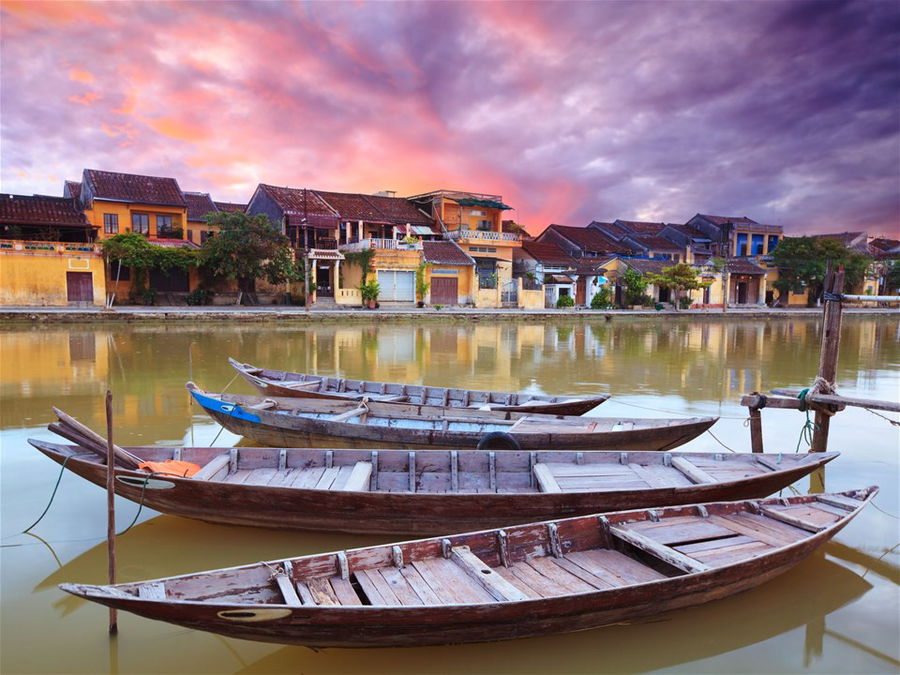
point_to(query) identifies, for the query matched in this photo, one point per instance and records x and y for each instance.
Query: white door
(397, 286)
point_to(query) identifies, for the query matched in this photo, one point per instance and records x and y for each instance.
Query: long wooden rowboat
(429, 492)
(309, 422)
(526, 580)
(270, 382)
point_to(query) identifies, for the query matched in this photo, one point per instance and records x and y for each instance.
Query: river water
(835, 613)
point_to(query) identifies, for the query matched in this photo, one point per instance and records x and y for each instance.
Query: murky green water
(837, 612)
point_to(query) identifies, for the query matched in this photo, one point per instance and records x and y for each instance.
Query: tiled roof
(72, 189)
(199, 204)
(398, 210)
(172, 243)
(230, 207)
(548, 253)
(642, 227)
(610, 229)
(40, 210)
(445, 253)
(647, 265)
(655, 243)
(301, 203)
(882, 247)
(743, 266)
(852, 240)
(589, 239)
(689, 230)
(723, 220)
(128, 187)
(352, 206)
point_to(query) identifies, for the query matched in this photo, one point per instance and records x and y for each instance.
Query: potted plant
(422, 286)
(369, 292)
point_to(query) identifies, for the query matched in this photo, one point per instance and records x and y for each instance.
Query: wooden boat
(309, 422)
(426, 492)
(526, 580)
(270, 382)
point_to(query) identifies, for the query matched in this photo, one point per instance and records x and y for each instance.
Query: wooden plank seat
(694, 473)
(545, 478)
(309, 385)
(266, 404)
(215, 468)
(493, 583)
(359, 477)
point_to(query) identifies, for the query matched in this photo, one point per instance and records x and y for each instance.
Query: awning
(559, 279)
(486, 203)
(420, 229)
(324, 254)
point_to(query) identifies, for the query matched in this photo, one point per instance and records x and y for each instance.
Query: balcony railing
(488, 235)
(60, 247)
(388, 244)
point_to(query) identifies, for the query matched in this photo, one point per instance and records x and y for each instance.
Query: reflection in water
(845, 601)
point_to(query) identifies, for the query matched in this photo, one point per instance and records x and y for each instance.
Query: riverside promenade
(134, 313)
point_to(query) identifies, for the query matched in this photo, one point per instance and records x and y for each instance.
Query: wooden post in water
(828, 356)
(756, 437)
(111, 507)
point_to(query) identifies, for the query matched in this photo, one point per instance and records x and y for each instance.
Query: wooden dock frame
(820, 397)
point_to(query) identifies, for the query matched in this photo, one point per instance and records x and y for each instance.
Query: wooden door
(581, 291)
(80, 286)
(444, 290)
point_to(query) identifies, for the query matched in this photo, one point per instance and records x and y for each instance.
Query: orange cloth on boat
(173, 467)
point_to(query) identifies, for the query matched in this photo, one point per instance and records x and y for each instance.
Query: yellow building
(475, 222)
(46, 253)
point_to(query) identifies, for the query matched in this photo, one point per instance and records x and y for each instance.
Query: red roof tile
(301, 203)
(352, 206)
(656, 243)
(72, 189)
(399, 211)
(589, 239)
(445, 253)
(548, 253)
(40, 210)
(723, 220)
(609, 229)
(128, 187)
(230, 207)
(743, 266)
(199, 204)
(642, 227)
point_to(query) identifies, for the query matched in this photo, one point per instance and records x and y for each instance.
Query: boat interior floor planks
(530, 579)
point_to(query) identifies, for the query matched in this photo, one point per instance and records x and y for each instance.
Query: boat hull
(398, 513)
(406, 626)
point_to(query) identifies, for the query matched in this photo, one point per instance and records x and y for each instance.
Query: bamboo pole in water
(828, 357)
(111, 508)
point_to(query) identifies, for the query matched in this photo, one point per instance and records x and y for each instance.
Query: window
(206, 234)
(757, 241)
(741, 248)
(484, 225)
(190, 235)
(111, 223)
(140, 222)
(773, 242)
(163, 225)
(476, 212)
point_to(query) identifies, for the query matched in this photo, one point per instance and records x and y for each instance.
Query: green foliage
(680, 277)
(565, 301)
(133, 250)
(148, 296)
(370, 291)
(422, 286)
(248, 248)
(635, 287)
(685, 302)
(198, 296)
(802, 262)
(362, 259)
(602, 298)
(892, 277)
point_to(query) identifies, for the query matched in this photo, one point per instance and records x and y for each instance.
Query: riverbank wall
(280, 314)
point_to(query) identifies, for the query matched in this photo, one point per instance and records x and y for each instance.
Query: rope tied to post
(809, 427)
(834, 297)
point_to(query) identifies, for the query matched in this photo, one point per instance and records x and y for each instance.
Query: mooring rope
(809, 427)
(719, 442)
(140, 503)
(677, 412)
(55, 487)
(894, 422)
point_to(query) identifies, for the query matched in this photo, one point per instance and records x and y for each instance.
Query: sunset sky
(786, 112)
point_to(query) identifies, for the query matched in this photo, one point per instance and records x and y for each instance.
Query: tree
(635, 287)
(248, 248)
(802, 261)
(134, 251)
(680, 277)
(892, 276)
